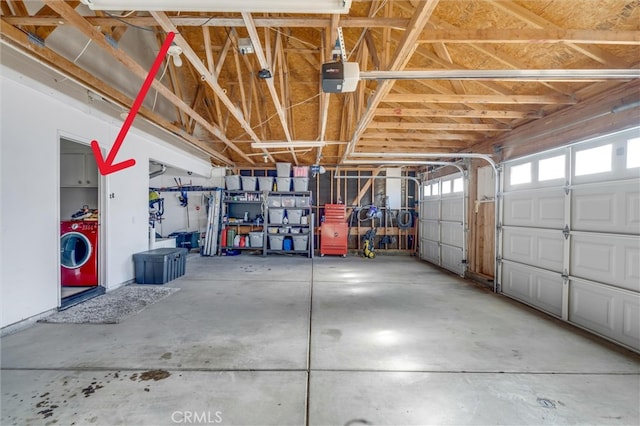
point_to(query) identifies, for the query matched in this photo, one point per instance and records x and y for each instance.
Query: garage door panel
(431, 251)
(611, 312)
(452, 258)
(452, 209)
(606, 258)
(535, 209)
(535, 247)
(431, 210)
(537, 287)
(431, 230)
(613, 207)
(452, 233)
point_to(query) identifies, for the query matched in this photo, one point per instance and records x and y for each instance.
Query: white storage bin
(302, 202)
(256, 239)
(283, 169)
(283, 184)
(249, 183)
(265, 183)
(300, 184)
(294, 216)
(300, 242)
(276, 215)
(288, 201)
(232, 182)
(274, 201)
(275, 241)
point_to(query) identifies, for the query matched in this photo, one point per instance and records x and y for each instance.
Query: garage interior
(485, 154)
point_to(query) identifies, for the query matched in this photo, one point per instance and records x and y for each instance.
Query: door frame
(102, 219)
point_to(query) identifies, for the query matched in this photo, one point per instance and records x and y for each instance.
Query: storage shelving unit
(294, 208)
(238, 205)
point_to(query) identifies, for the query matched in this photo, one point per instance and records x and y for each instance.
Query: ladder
(210, 247)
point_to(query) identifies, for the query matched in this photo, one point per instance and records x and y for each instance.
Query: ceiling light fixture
(309, 144)
(175, 51)
(275, 6)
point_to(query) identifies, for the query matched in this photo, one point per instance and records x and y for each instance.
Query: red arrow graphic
(107, 166)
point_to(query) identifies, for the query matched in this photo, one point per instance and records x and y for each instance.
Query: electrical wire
(119, 18)
(82, 52)
(155, 99)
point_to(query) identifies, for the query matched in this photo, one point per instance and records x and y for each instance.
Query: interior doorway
(80, 225)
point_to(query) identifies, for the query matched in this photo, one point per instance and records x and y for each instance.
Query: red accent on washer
(79, 253)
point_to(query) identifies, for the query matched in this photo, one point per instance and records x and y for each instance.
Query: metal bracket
(566, 232)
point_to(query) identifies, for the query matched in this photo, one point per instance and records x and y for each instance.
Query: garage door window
(458, 185)
(520, 174)
(551, 168)
(434, 189)
(426, 191)
(593, 160)
(446, 187)
(633, 153)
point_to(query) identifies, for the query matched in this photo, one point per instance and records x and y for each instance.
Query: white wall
(33, 118)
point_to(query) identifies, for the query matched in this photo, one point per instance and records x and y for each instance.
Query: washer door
(75, 250)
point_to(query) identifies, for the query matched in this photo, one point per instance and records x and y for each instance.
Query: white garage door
(569, 234)
(442, 224)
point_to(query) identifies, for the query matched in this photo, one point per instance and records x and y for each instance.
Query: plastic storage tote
(265, 183)
(275, 241)
(249, 183)
(300, 184)
(300, 242)
(276, 215)
(294, 216)
(232, 182)
(160, 266)
(283, 170)
(283, 184)
(256, 239)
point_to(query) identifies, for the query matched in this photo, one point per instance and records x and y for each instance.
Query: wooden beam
(365, 187)
(480, 99)
(221, 21)
(524, 14)
(467, 113)
(195, 60)
(421, 136)
(427, 143)
(20, 40)
(405, 125)
(88, 30)
(530, 36)
(257, 46)
(404, 51)
(206, 35)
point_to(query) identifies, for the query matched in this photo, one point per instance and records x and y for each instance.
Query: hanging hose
(405, 219)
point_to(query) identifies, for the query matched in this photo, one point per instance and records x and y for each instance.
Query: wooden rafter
(221, 21)
(594, 52)
(257, 46)
(479, 113)
(195, 60)
(481, 99)
(87, 29)
(420, 136)
(527, 35)
(19, 39)
(402, 55)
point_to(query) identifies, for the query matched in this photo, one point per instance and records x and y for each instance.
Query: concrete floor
(284, 340)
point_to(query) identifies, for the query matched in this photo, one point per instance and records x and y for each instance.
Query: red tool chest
(334, 231)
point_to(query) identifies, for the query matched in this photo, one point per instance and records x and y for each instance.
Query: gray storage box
(160, 266)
